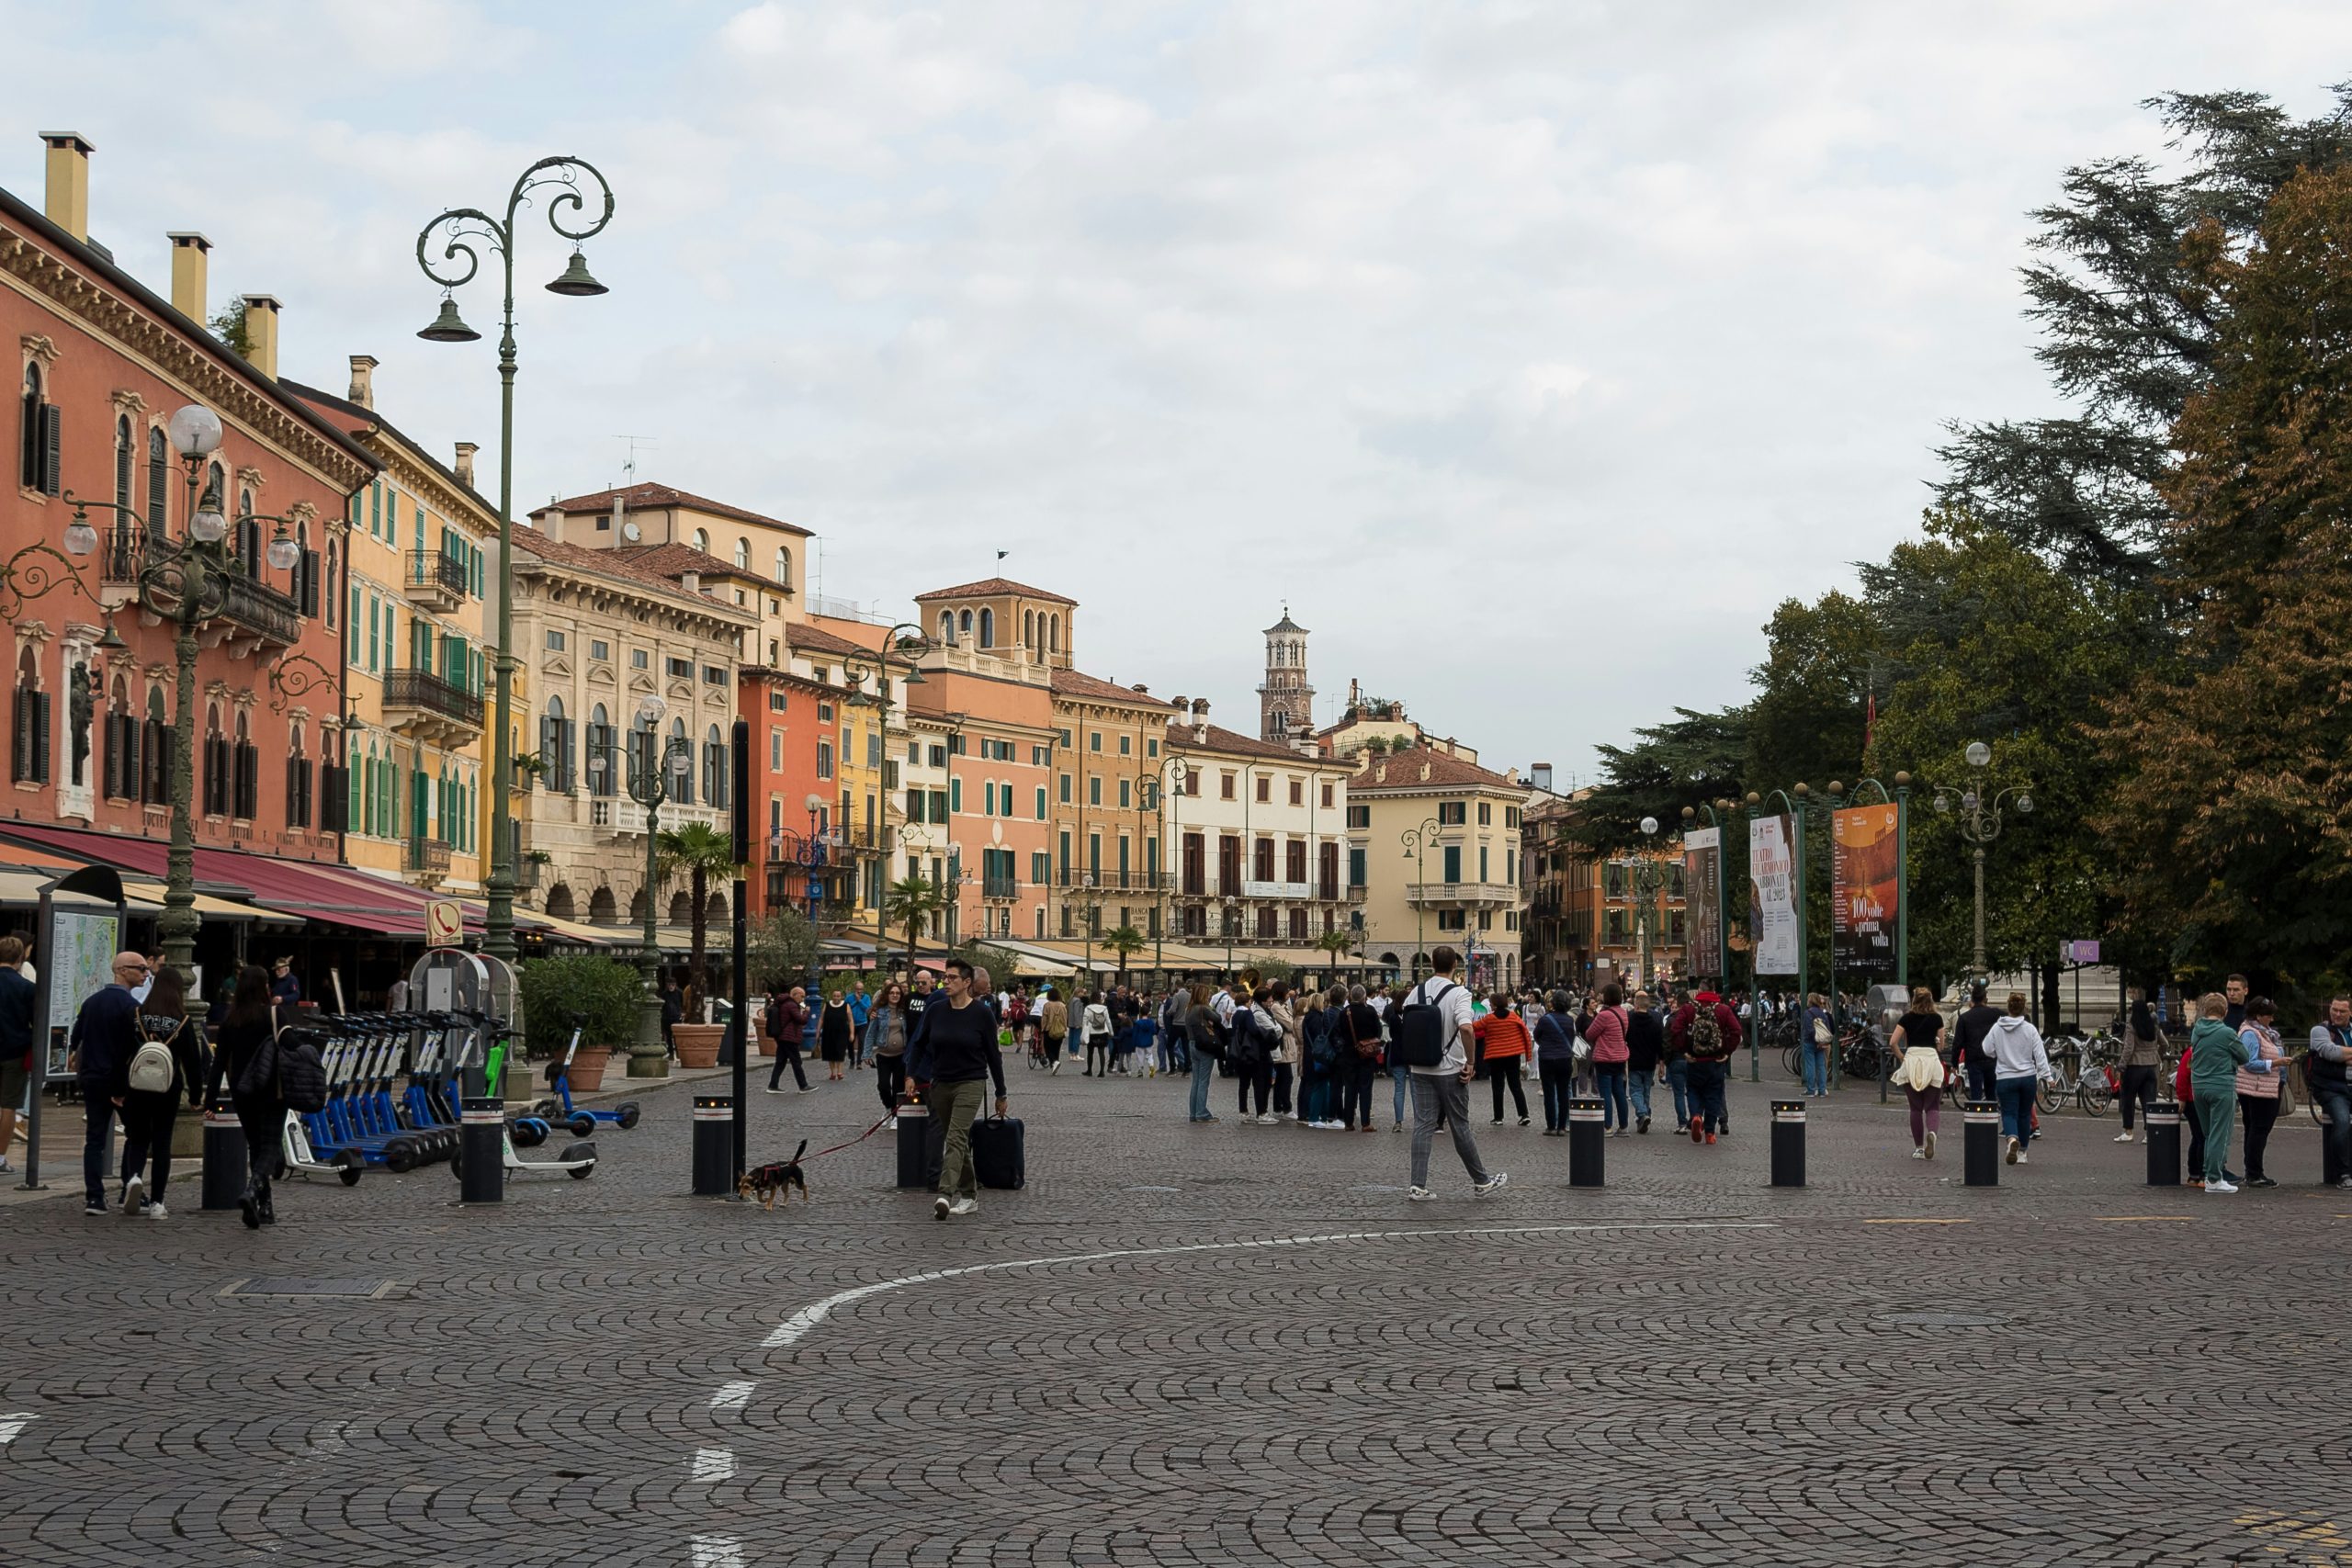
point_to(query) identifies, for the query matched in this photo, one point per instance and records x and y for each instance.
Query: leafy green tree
(780, 950)
(909, 904)
(1126, 941)
(1692, 757)
(701, 852)
(1812, 693)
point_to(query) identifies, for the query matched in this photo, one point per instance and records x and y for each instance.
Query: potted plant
(697, 1042)
(604, 993)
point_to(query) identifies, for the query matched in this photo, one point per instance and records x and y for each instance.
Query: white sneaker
(891, 1126)
(1270, 1120)
(964, 1206)
(1920, 1153)
(1932, 1143)
(134, 1197)
(157, 1211)
(1420, 1194)
(941, 1206)
(2014, 1154)
(2220, 1186)
(2024, 1158)
(1056, 1067)
(1494, 1183)
(2123, 1138)
(779, 1091)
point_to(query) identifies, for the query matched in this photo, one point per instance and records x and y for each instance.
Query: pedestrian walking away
(1678, 1058)
(1054, 1018)
(2141, 1063)
(246, 1063)
(1503, 1044)
(2218, 1053)
(1432, 1035)
(1711, 1032)
(1972, 1035)
(1205, 1042)
(2328, 1070)
(19, 999)
(2257, 1084)
(1359, 1027)
(788, 1018)
(1645, 1050)
(1095, 1024)
(105, 1036)
(1922, 1072)
(170, 1064)
(1816, 1037)
(2021, 1063)
(1556, 1063)
(960, 1035)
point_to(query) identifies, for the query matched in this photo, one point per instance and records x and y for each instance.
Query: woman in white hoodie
(2020, 1063)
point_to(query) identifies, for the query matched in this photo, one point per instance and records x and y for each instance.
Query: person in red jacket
(1710, 1113)
(1503, 1044)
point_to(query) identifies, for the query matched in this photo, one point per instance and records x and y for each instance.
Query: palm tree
(1125, 942)
(911, 901)
(1339, 942)
(701, 852)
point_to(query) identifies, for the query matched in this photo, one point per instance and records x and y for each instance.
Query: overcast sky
(1531, 352)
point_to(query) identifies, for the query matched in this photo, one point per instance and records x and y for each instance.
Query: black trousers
(890, 1079)
(2196, 1138)
(1501, 1070)
(1257, 1076)
(2139, 1090)
(147, 1121)
(2261, 1113)
(1355, 1075)
(788, 1055)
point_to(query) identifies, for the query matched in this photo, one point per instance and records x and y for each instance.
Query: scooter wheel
(458, 1163)
(580, 1125)
(400, 1156)
(629, 1113)
(352, 1165)
(529, 1132)
(581, 1173)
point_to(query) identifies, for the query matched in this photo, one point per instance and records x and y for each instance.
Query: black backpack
(1419, 1028)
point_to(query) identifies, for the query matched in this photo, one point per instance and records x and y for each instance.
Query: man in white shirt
(1444, 1091)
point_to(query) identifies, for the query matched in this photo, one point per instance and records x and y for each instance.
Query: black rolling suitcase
(998, 1157)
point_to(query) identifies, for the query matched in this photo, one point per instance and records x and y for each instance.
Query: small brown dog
(768, 1182)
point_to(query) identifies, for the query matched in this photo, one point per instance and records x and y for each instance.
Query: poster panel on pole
(1702, 902)
(1771, 895)
(1865, 889)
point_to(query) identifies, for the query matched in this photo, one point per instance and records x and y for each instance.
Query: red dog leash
(859, 1139)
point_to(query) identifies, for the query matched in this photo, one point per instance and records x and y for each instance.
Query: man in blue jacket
(105, 1038)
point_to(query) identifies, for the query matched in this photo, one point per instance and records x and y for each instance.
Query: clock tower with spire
(1286, 701)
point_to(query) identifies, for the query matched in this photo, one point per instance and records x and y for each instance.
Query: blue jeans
(1204, 1074)
(2016, 1108)
(1611, 1077)
(1677, 1077)
(1816, 1069)
(1640, 1083)
(1707, 1104)
(2335, 1104)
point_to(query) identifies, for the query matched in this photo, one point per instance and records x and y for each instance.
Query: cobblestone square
(1213, 1345)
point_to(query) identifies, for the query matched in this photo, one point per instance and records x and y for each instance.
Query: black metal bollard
(482, 1143)
(714, 1145)
(915, 1145)
(1586, 1137)
(1788, 1142)
(225, 1163)
(1982, 1141)
(2164, 1143)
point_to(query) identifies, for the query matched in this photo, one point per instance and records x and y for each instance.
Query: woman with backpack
(1503, 1043)
(247, 1060)
(1555, 1061)
(1356, 1030)
(171, 1062)
(1317, 1060)
(1202, 1038)
(1095, 1025)
(1610, 1052)
(1249, 1052)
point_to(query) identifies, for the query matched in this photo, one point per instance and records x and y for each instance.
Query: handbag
(1581, 1048)
(301, 1076)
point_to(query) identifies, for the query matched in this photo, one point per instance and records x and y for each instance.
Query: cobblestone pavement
(1207, 1345)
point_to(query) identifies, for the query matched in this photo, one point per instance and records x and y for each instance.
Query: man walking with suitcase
(961, 1035)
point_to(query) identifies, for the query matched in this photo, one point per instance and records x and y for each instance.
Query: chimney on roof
(1425, 772)
(1540, 776)
(1142, 689)
(67, 199)
(1200, 721)
(465, 469)
(363, 381)
(261, 333)
(189, 255)
(691, 581)
(1180, 704)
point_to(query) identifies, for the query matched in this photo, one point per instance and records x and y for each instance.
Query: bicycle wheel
(2046, 1096)
(2094, 1094)
(1790, 1062)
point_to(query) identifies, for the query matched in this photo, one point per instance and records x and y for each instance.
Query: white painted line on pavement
(716, 1552)
(713, 1464)
(732, 1395)
(13, 1423)
(800, 1324)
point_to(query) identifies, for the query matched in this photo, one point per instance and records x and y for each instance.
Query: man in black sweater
(105, 1036)
(1968, 1038)
(960, 1034)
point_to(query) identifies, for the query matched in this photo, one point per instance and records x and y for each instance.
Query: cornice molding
(110, 316)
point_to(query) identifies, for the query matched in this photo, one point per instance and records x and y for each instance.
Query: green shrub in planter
(556, 987)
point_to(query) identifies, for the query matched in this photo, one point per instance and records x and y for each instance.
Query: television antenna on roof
(629, 467)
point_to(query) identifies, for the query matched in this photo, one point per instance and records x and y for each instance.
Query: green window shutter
(372, 611)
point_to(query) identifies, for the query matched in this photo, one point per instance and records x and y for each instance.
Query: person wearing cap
(285, 990)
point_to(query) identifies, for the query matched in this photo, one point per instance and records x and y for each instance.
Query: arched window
(681, 783)
(153, 762)
(988, 628)
(1053, 634)
(946, 627)
(31, 451)
(31, 761)
(702, 540)
(248, 535)
(329, 592)
(555, 746)
(123, 455)
(244, 777)
(783, 566)
(1029, 629)
(606, 779)
(742, 555)
(964, 624)
(714, 768)
(682, 908)
(216, 763)
(602, 907)
(159, 481)
(297, 779)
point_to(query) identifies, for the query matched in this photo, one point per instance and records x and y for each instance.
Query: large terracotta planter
(588, 1068)
(698, 1043)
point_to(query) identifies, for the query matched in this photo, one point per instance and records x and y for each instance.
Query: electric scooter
(584, 1119)
(578, 1159)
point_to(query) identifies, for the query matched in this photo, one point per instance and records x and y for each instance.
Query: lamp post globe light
(1979, 824)
(1416, 840)
(651, 767)
(463, 231)
(187, 583)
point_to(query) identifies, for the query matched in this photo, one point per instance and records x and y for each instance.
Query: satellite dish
(631, 532)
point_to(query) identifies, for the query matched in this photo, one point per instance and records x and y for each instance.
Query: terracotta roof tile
(1078, 683)
(532, 542)
(653, 497)
(1180, 734)
(1405, 773)
(993, 587)
(818, 640)
(670, 560)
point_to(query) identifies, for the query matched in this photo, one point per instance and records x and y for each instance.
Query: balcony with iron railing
(420, 703)
(999, 887)
(267, 617)
(435, 581)
(427, 858)
(1461, 895)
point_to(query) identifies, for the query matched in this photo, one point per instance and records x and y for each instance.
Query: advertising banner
(1865, 889)
(1771, 895)
(1702, 902)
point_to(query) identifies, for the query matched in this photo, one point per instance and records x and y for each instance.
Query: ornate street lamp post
(1230, 907)
(650, 767)
(1979, 824)
(1648, 876)
(467, 228)
(1416, 840)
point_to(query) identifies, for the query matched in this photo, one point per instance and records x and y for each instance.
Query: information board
(76, 960)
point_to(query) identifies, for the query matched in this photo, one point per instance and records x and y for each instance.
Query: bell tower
(1285, 702)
